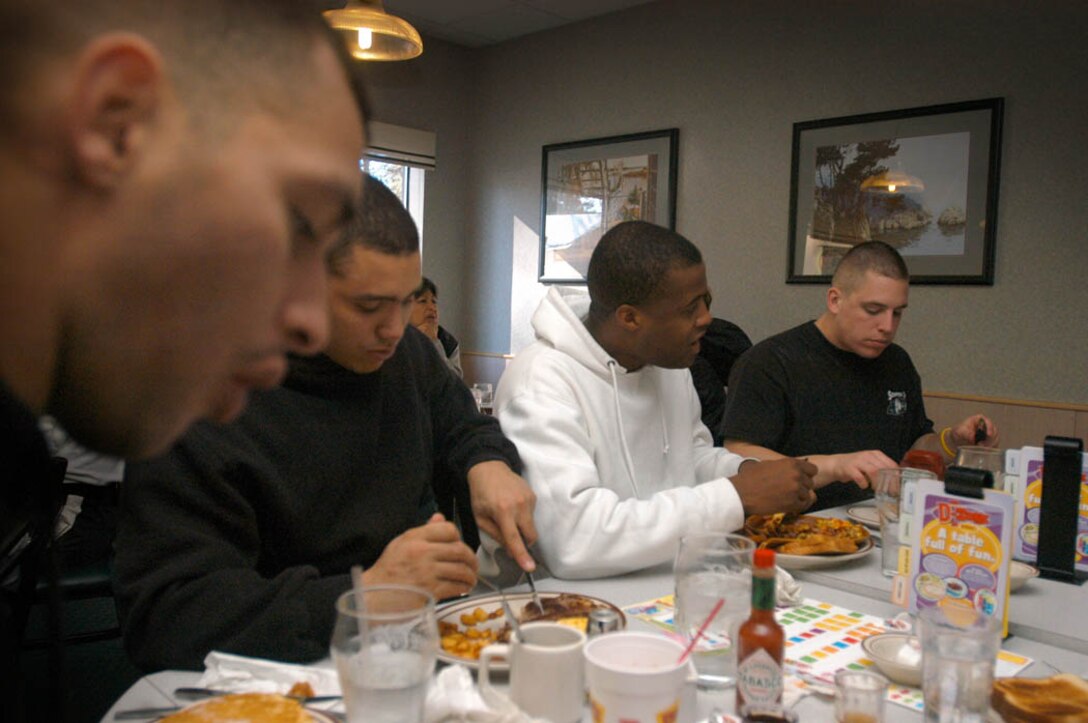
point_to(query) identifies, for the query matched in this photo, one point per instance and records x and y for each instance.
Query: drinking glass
(385, 650)
(710, 567)
(959, 647)
(888, 491)
(985, 458)
(859, 696)
(484, 395)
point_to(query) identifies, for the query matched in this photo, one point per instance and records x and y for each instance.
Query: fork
(505, 607)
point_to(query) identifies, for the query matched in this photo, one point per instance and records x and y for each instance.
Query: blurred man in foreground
(605, 415)
(261, 520)
(170, 173)
(837, 390)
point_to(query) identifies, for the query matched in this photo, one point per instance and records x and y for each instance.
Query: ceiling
(476, 23)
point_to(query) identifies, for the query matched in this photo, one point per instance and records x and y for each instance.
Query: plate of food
(808, 541)
(864, 514)
(467, 626)
(248, 706)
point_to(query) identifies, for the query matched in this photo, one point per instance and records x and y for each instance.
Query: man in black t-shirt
(837, 390)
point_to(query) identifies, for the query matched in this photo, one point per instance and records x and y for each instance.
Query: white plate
(806, 562)
(452, 613)
(864, 514)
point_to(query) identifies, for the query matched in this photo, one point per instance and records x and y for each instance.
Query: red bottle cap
(764, 558)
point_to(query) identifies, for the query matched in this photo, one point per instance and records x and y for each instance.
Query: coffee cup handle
(489, 652)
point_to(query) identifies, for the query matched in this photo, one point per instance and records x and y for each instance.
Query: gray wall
(734, 77)
(435, 92)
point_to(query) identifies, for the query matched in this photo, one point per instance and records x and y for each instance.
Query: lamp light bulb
(366, 38)
(891, 188)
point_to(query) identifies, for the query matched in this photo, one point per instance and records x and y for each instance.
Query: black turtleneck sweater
(241, 538)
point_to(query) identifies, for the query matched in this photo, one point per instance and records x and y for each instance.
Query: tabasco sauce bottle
(760, 640)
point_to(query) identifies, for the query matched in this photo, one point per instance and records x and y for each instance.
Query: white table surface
(155, 689)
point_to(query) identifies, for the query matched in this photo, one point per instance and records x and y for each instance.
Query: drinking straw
(701, 630)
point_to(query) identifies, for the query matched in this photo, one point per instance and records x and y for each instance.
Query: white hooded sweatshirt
(620, 462)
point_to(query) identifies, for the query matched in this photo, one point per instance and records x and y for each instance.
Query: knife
(532, 587)
(197, 693)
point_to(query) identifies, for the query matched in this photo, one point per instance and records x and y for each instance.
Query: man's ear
(628, 317)
(834, 299)
(116, 94)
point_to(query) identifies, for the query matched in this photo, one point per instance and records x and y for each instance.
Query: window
(403, 180)
(400, 157)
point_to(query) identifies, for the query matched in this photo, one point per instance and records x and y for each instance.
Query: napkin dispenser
(1059, 510)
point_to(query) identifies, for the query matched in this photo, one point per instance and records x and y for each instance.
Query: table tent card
(960, 550)
(1025, 482)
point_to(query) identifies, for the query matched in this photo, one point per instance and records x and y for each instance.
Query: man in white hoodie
(607, 421)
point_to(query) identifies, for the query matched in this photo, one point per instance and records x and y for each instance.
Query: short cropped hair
(875, 256)
(221, 55)
(630, 263)
(424, 287)
(381, 224)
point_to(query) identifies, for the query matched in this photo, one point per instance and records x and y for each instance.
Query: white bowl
(897, 655)
(1019, 573)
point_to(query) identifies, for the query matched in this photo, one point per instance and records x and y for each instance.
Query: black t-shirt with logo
(799, 394)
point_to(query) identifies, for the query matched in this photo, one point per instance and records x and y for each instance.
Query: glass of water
(959, 648)
(710, 567)
(888, 490)
(484, 395)
(385, 646)
(985, 458)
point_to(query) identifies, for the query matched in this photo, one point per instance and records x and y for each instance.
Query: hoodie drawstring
(623, 434)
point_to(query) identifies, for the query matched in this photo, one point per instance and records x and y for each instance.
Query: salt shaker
(602, 620)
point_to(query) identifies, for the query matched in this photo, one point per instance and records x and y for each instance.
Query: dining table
(1044, 626)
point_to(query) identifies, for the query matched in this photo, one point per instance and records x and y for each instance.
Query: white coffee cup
(636, 677)
(546, 670)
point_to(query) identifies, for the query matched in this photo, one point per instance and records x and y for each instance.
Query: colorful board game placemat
(822, 639)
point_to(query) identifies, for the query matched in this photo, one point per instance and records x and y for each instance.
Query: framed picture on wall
(923, 180)
(590, 186)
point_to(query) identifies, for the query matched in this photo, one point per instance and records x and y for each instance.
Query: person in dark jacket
(722, 345)
(242, 537)
(425, 318)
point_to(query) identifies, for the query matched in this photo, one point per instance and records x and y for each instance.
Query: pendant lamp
(373, 34)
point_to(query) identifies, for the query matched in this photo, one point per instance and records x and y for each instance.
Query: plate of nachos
(808, 541)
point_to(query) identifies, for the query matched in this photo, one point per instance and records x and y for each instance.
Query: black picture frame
(589, 186)
(923, 179)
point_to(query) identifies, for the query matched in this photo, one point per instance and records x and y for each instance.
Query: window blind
(398, 144)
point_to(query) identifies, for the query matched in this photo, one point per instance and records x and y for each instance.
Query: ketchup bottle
(761, 641)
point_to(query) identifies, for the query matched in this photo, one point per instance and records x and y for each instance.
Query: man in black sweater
(242, 537)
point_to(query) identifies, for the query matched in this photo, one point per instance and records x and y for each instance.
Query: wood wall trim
(491, 355)
(1012, 402)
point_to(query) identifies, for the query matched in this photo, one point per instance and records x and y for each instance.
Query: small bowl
(897, 656)
(1019, 573)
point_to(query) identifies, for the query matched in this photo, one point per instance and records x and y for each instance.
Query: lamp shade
(893, 182)
(372, 34)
